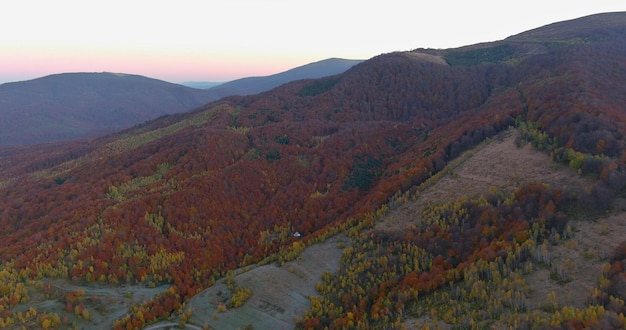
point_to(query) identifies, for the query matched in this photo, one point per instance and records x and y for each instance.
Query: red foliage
(287, 159)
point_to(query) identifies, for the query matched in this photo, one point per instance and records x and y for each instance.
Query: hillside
(70, 106)
(78, 105)
(255, 85)
(511, 167)
(179, 202)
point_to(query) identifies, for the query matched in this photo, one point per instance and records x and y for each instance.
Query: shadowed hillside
(179, 202)
(254, 85)
(76, 105)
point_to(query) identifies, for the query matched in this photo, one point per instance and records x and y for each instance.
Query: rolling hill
(378, 155)
(69, 106)
(77, 105)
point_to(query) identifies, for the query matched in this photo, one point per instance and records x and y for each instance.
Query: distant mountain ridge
(84, 105)
(75, 105)
(254, 85)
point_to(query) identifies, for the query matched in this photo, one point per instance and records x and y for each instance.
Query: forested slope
(184, 199)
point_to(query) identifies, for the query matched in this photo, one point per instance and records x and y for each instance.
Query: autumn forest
(181, 201)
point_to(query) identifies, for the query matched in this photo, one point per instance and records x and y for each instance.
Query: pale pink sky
(221, 40)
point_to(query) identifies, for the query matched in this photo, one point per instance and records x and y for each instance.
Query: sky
(223, 40)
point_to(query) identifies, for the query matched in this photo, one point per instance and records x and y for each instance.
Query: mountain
(481, 185)
(254, 85)
(78, 105)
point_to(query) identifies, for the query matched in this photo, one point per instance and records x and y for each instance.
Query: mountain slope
(185, 199)
(78, 105)
(254, 85)
(75, 105)
(511, 167)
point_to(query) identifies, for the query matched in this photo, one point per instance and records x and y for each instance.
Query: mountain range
(474, 187)
(78, 105)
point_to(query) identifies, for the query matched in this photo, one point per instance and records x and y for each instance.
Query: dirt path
(279, 294)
